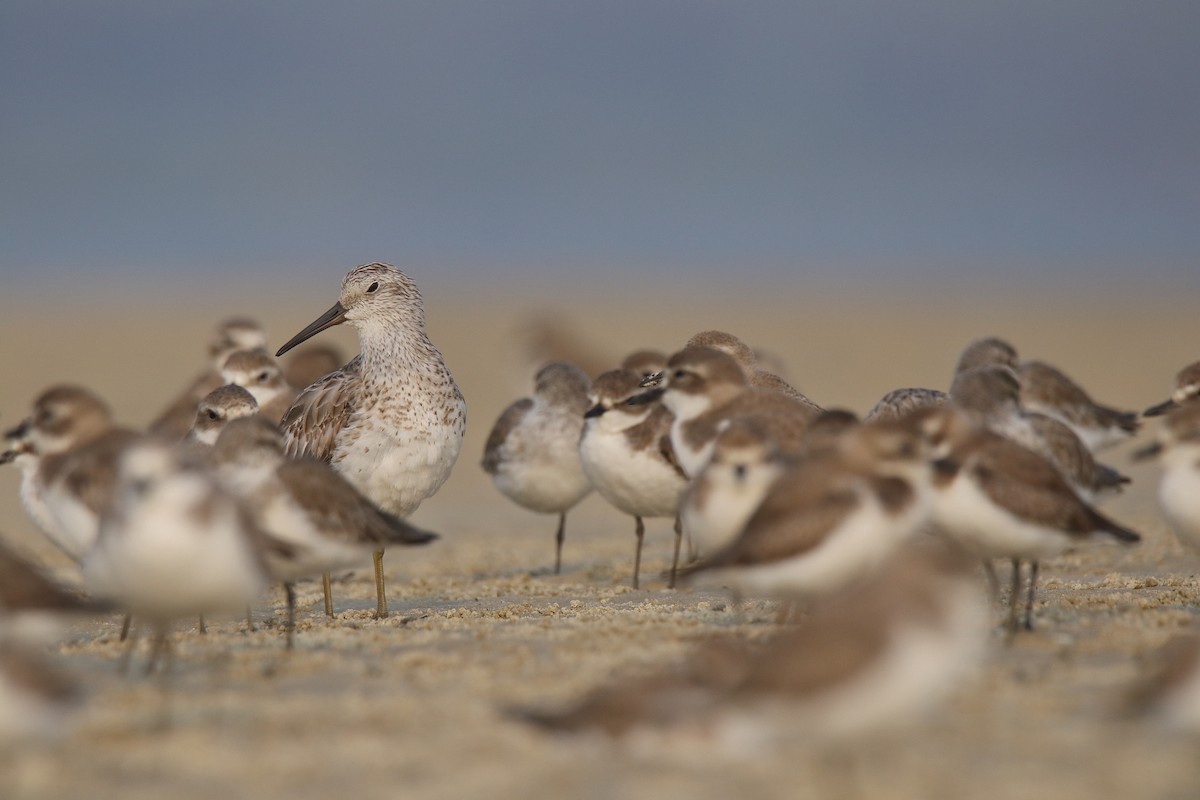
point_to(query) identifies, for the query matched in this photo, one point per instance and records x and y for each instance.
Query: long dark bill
(334, 316)
(1160, 409)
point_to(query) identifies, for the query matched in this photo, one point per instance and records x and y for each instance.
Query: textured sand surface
(414, 705)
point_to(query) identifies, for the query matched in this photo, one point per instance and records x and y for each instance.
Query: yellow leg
(380, 593)
(328, 594)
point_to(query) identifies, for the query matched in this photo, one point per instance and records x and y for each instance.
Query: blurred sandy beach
(413, 706)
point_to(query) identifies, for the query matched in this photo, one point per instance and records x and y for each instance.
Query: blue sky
(540, 138)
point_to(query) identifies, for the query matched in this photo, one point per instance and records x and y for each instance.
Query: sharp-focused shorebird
(705, 389)
(322, 521)
(747, 359)
(532, 452)
(998, 499)
(831, 518)
(1178, 451)
(259, 373)
(625, 452)
(68, 480)
(867, 661)
(1187, 386)
(237, 333)
(220, 406)
(392, 420)
(990, 397)
(173, 543)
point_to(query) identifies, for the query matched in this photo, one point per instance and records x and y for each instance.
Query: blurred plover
(705, 389)
(532, 452)
(1187, 386)
(259, 373)
(625, 451)
(830, 519)
(999, 499)
(221, 405)
(1178, 451)
(236, 333)
(1046, 390)
(173, 543)
(70, 481)
(323, 522)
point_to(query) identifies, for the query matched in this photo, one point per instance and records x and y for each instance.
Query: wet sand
(415, 705)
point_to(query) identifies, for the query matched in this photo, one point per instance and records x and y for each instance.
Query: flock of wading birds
(874, 529)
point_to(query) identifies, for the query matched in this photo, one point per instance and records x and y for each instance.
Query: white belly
(638, 483)
(1179, 496)
(397, 468)
(963, 513)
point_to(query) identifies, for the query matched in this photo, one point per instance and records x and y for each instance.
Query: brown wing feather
(805, 504)
(493, 454)
(311, 425)
(176, 419)
(338, 509)
(93, 474)
(1029, 487)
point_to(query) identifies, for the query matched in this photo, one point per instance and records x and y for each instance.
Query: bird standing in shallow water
(392, 420)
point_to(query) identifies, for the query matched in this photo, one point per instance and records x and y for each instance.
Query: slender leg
(203, 627)
(290, 591)
(250, 620)
(558, 542)
(1014, 600)
(328, 594)
(678, 542)
(125, 627)
(1033, 575)
(637, 557)
(380, 592)
(130, 642)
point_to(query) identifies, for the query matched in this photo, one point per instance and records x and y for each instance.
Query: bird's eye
(373, 287)
(740, 471)
(213, 415)
(679, 373)
(264, 376)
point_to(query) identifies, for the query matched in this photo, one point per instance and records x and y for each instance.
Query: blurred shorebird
(705, 389)
(260, 375)
(220, 406)
(990, 397)
(1187, 386)
(998, 499)
(236, 333)
(747, 359)
(532, 452)
(867, 662)
(392, 420)
(1178, 450)
(173, 543)
(36, 700)
(625, 451)
(322, 521)
(830, 519)
(69, 449)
